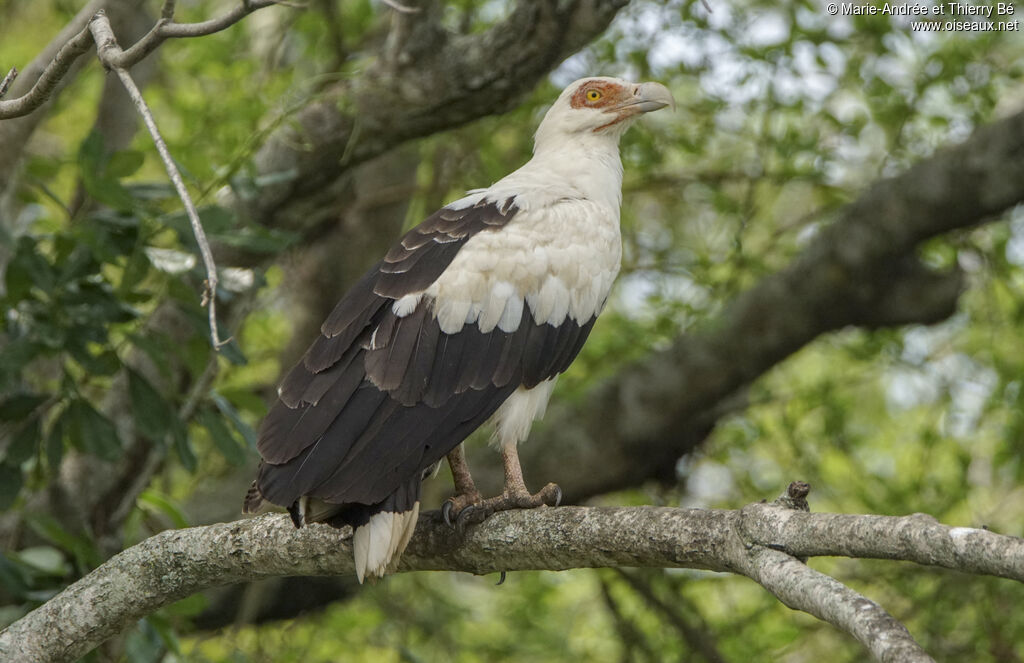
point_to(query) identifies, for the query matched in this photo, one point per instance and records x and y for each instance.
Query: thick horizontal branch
(177, 563)
(427, 80)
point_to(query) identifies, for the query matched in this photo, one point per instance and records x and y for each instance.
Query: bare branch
(802, 588)
(917, 538)
(8, 79)
(109, 52)
(167, 10)
(51, 76)
(164, 29)
(174, 564)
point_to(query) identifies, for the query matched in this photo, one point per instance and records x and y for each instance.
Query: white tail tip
(378, 544)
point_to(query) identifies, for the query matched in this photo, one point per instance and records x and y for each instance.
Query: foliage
(785, 113)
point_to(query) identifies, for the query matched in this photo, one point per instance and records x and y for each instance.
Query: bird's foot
(455, 505)
(474, 513)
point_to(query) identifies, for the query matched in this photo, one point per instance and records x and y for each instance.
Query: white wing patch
(406, 305)
(559, 260)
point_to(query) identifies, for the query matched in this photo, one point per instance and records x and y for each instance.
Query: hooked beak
(647, 97)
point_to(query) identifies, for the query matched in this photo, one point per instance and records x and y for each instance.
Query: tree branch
(110, 54)
(427, 80)
(176, 563)
(49, 79)
(802, 588)
(164, 29)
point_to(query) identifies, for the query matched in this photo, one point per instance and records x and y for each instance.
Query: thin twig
(48, 80)
(8, 79)
(164, 29)
(108, 50)
(167, 10)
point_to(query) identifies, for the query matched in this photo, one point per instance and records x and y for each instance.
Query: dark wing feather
(427, 250)
(378, 398)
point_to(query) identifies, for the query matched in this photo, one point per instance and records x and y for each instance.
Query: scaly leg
(466, 493)
(515, 495)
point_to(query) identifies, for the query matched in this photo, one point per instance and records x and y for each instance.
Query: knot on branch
(764, 524)
(795, 496)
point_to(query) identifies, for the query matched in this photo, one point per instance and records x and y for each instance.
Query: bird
(468, 319)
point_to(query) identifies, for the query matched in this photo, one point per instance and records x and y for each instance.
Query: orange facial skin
(611, 97)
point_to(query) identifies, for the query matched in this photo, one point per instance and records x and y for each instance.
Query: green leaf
(155, 347)
(222, 438)
(92, 432)
(231, 351)
(85, 552)
(135, 270)
(188, 607)
(55, 443)
(12, 578)
(19, 352)
(45, 559)
(24, 443)
(215, 219)
(160, 503)
(28, 268)
(10, 485)
(257, 239)
(183, 446)
(125, 163)
(106, 362)
(246, 431)
(152, 412)
(19, 406)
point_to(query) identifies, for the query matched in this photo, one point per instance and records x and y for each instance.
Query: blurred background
(117, 421)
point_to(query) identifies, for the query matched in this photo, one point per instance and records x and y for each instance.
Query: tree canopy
(823, 281)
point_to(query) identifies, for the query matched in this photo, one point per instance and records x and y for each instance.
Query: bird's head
(600, 106)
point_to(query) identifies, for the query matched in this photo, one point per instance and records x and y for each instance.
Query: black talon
(446, 513)
(462, 519)
(500, 581)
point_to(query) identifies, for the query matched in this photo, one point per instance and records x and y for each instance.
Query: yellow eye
(593, 95)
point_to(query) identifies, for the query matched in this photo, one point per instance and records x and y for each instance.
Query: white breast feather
(561, 259)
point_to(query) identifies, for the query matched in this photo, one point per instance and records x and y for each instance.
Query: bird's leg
(515, 495)
(465, 489)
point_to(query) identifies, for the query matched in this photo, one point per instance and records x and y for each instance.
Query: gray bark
(761, 541)
(426, 80)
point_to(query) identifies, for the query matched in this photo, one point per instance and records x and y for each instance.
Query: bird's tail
(381, 531)
(379, 543)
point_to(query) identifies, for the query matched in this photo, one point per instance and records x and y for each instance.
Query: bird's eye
(593, 95)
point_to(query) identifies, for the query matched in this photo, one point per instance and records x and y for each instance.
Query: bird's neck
(588, 167)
